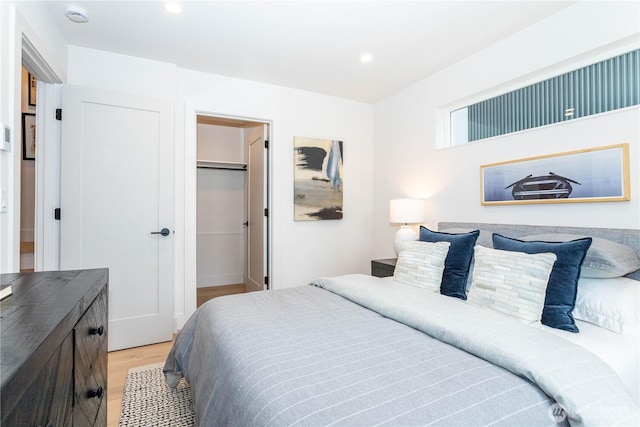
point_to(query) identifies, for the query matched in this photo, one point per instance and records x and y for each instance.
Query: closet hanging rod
(204, 164)
(243, 169)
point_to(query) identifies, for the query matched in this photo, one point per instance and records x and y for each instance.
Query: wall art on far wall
(32, 84)
(317, 179)
(598, 174)
(28, 136)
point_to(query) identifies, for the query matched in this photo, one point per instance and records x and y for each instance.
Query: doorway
(231, 206)
(27, 172)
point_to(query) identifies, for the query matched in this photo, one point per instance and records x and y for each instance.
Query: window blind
(605, 86)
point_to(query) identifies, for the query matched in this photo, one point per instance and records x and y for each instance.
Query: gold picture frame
(599, 174)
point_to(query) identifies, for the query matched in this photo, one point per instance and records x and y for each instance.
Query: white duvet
(587, 388)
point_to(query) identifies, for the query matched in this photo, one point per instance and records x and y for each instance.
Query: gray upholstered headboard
(626, 237)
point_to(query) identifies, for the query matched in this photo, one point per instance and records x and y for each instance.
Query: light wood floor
(205, 294)
(119, 362)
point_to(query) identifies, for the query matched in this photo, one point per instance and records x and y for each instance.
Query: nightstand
(383, 267)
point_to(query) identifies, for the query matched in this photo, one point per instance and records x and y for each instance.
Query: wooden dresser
(53, 348)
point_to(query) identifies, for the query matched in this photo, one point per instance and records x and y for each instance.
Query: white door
(116, 190)
(257, 231)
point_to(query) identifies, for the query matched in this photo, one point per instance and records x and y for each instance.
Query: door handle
(164, 232)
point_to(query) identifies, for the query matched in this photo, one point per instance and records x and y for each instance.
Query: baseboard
(178, 323)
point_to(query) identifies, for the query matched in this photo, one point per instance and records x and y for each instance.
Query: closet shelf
(212, 164)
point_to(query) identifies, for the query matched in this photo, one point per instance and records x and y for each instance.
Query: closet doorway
(231, 206)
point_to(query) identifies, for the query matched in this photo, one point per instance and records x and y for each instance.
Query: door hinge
(266, 144)
(56, 214)
(266, 212)
(58, 113)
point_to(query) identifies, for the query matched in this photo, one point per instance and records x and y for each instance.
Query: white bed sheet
(621, 352)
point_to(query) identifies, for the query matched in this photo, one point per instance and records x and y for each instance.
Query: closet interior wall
(221, 204)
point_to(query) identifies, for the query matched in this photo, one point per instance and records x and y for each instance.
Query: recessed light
(173, 7)
(366, 57)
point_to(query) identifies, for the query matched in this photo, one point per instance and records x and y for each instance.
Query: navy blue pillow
(458, 261)
(562, 288)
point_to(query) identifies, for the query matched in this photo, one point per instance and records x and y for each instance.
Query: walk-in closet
(224, 185)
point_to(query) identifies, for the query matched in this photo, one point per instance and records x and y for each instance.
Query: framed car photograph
(598, 174)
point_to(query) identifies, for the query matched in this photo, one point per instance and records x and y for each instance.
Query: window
(605, 86)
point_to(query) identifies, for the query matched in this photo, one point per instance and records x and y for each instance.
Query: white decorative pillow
(421, 264)
(512, 283)
(604, 259)
(611, 303)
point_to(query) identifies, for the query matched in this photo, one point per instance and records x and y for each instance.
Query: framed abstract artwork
(598, 174)
(317, 179)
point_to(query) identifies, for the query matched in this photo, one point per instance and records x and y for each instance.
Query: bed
(360, 350)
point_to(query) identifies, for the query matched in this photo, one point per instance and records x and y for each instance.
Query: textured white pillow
(611, 303)
(421, 264)
(512, 283)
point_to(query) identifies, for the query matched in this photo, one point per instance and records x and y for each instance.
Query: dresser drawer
(91, 396)
(54, 381)
(90, 370)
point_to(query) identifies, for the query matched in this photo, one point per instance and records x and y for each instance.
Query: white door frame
(47, 191)
(47, 228)
(190, 204)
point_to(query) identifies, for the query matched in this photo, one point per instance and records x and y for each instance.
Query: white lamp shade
(406, 211)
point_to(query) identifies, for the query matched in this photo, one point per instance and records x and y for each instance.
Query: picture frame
(32, 86)
(28, 136)
(318, 179)
(599, 174)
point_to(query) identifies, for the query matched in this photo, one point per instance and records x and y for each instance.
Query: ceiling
(309, 45)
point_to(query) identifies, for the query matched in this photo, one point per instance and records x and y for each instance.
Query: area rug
(148, 401)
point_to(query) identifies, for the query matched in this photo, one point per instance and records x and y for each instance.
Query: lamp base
(404, 234)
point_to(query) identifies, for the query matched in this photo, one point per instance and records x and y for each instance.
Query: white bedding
(573, 377)
(621, 352)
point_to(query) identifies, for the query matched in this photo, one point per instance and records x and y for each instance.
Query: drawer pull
(95, 393)
(96, 331)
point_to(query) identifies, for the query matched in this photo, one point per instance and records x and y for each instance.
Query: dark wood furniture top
(38, 337)
(383, 267)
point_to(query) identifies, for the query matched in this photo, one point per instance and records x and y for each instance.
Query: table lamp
(405, 212)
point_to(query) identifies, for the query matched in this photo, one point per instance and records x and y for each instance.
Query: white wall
(301, 251)
(407, 162)
(121, 73)
(304, 250)
(220, 143)
(220, 236)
